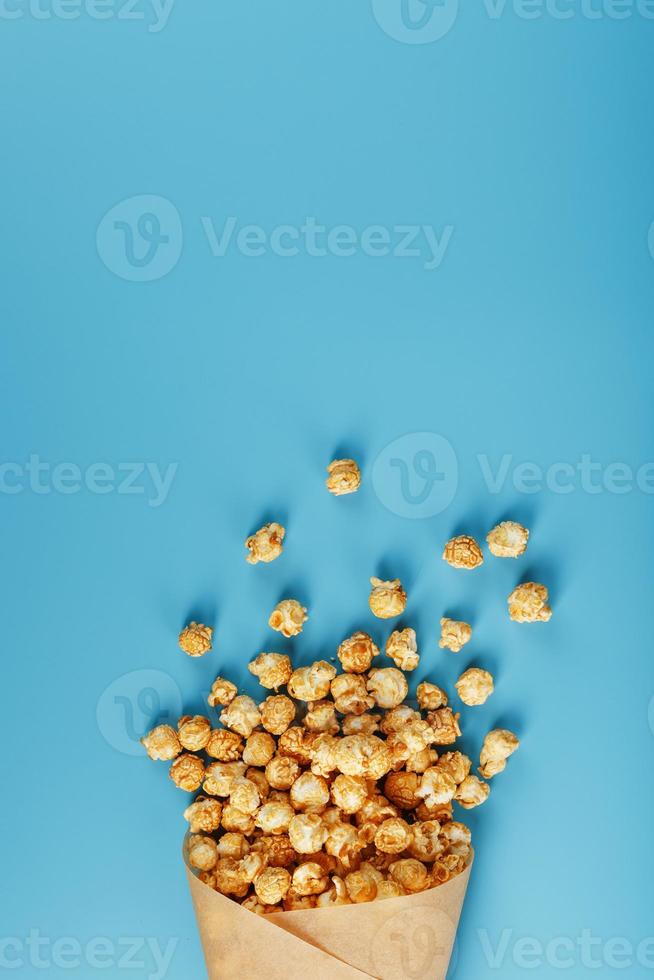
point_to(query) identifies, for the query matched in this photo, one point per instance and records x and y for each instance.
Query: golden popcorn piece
(430, 696)
(321, 718)
(266, 544)
(299, 744)
(295, 902)
(311, 683)
(456, 838)
(272, 669)
(258, 777)
(274, 818)
(357, 652)
(463, 552)
(472, 792)
(202, 853)
(454, 634)
(187, 772)
(288, 617)
(437, 787)
(445, 724)
(195, 639)
(528, 604)
(277, 714)
(402, 648)
(194, 732)
(259, 749)
(334, 896)
(366, 724)
(413, 738)
(224, 745)
(307, 833)
(393, 836)
(420, 761)
(349, 793)
(237, 820)
(410, 874)
(222, 692)
(203, 816)
(219, 777)
(162, 743)
(282, 771)
(276, 849)
(309, 879)
(388, 686)
(272, 885)
(498, 746)
(363, 755)
(457, 764)
(232, 845)
(401, 789)
(387, 599)
(241, 715)
(230, 879)
(508, 540)
(398, 718)
(309, 793)
(323, 755)
(475, 686)
(389, 889)
(344, 477)
(362, 885)
(350, 694)
(426, 845)
(244, 795)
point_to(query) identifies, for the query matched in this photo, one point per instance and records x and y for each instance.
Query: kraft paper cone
(408, 938)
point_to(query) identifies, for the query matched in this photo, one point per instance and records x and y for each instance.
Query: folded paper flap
(388, 940)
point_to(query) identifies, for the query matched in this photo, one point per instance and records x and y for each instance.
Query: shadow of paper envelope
(408, 938)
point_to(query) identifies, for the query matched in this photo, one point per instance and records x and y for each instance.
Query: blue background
(532, 340)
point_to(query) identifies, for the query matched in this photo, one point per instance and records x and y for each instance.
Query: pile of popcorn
(332, 789)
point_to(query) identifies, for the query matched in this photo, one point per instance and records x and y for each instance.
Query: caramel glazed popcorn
(331, 790)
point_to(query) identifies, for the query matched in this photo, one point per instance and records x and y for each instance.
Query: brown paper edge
(385, 940)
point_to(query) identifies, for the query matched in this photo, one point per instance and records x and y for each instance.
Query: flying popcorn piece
(498, 746)
(162, 743)
(222, 692)
(454, 634)
(266, 544)
(344, 477)
(288, 617)
(357, 652)
(387, 599)
(431, 696)
(272, 669)
(388, 686)
(195, 639)
(508, 540)
(402, 648)
(472, 792)
(475, 686)
(463, 552)
(528, 604)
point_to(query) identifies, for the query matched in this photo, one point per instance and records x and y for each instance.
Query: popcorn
(366, 724)
(237, 820)
(454, 634)
(187, 772)
(363, 755)
(344, 477)
(456, 838)
(456, 764)
(475, 686)
(194, 732)
(426, 843)
(362, 885)
(311, 683)
(387, 599)
(388, 686)
(266, 544)
(288, 617)
(528, 604)
(389, 889)
(244, 795)
(276, 850)
(272, 885)
(349, 793)
(402, 648)
(222, 692)
(277, 713)
(241, 715)
(162, 743)
(274, 818)
(498, 746)
(272, 669)
(282, 771)
(203, 815)
(336, 895)
(430, 696)
(309, 879)
(298, 743)
(309, 793)
(232, 845)
(398, 718)
(202, 853)
(393, 836)
(219, 777)
(195, 639)
(307, 833)
(321, 717)
(436, 787)
(401, 789)
(445, 724)
(224, 745)
(463, 552)
(323, 755)
(508, 540)
(259, 749)
(357, 653)
(472, 792)
(410, 874)
(350, 694)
